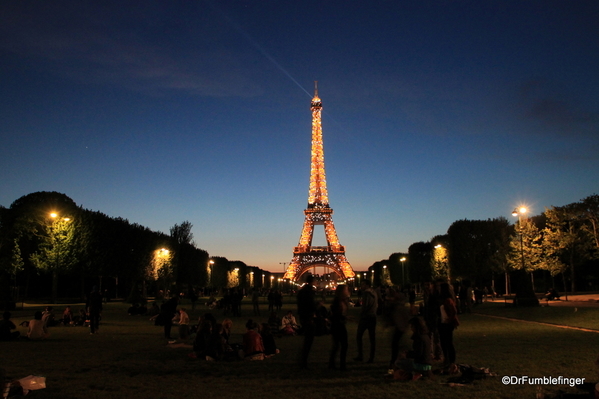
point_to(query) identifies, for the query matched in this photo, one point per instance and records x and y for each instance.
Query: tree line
(51, 248)
(558, 248)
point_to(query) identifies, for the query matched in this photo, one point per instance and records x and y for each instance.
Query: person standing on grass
(432, 315)
(338, 329)
(94, 309)
(306, 309)
(367, 320)
(398, 315)
(449, 322)
(167, 312)
(256, 301)
(271, 300)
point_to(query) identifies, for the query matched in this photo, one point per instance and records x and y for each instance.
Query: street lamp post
(210, 265)
(519, 212)
(384, 274)
(403, 275)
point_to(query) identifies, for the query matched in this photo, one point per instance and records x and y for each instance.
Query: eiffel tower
(318, 213)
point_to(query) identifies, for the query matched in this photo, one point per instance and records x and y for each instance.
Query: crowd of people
(431, 326)
(38, 327)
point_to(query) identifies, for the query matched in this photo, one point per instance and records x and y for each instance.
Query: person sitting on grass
(270, 346)
(183, 320)
(6, 325)
(48, 317)
(288, 324)
(37, 329)
(211, 303)
(322, 322)
(203, 345)
(153, 311)
(274, 322)
(230, 351)
(552, 295)
(253, 347)
(421, 352)
(133, 310)
(79, 320)
(67, 316)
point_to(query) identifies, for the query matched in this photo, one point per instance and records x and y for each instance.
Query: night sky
(161, 112)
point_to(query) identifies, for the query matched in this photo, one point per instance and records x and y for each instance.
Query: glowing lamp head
(519, 211)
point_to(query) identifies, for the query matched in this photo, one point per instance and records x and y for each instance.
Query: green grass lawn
(584, 317)
(129, 358)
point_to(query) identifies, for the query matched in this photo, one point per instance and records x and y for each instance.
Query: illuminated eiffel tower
(318, 213)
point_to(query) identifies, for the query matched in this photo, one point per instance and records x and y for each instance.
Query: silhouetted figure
(256, 302)
(449, 322)
(167, 312)
(94, 309)
(367, 320)
(398, 315)
(6, 327)
(552, 294)
(338, 329)
(421, 352)
(306, 309)
(270, 347)
(271, 300)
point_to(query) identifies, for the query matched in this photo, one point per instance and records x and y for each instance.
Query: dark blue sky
(160, 112)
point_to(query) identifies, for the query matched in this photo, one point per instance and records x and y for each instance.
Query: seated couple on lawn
(258, 341)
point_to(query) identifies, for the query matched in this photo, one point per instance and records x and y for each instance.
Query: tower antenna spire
(316, 88)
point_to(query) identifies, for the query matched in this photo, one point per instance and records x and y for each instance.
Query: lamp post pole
(519, 212)
(210, 265)
(403, 275)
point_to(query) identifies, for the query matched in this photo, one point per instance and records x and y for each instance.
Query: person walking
(94, 309)
(338, 329)
(306, 309)
(367, 321)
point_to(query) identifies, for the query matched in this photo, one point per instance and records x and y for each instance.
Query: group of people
(37, 328)
(432, 325)
(213, 341)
